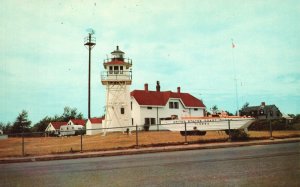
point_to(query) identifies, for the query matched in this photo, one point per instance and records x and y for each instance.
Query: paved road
(263, 165)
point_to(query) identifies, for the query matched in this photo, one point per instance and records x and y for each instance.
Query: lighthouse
(117, 78)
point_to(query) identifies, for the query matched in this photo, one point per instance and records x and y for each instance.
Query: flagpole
(235, 80)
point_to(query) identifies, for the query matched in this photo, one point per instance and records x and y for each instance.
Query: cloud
(187, 44)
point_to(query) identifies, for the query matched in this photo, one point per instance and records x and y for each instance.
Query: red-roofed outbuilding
(93, 126)
(77, 122)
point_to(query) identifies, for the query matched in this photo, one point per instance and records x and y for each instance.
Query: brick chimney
(146, 87)
(178, 89)
(157, 86)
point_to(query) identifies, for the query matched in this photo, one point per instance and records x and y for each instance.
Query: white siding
(139, 113)
(49, 128)
(135, 112)
(70, 129)
(90, 126)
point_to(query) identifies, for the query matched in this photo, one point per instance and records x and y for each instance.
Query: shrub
(264, 124)
(239, 135)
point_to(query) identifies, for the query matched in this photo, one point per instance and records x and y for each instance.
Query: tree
(292, 115)
(5, 127)
(245, 105)
(42, 124)
(22, 124)
(214, 109)
(229, 113)
(71, 113)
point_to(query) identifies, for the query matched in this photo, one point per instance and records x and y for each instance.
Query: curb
(144, 150)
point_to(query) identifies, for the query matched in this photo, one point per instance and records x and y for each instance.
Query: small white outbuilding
(93, 126)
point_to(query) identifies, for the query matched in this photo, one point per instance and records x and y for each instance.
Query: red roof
(57, 124)
(117, 62)
(78, 122)
(156, 98)
(96, 120)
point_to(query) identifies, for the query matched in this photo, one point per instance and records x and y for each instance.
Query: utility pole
(90, 42)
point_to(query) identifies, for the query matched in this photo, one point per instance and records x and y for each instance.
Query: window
(196, 109)
(110, 69)
(116, 69)
(121, 69)
(152, 121)
(149, 121)
(174, 105)
(149, 107)
(131, 105)
(122, 110)
(261, 111)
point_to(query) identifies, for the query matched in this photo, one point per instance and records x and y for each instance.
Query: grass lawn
(54, 145)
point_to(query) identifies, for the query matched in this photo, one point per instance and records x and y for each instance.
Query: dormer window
(174, 105)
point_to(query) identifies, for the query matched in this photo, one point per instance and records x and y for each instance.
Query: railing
(88, 40)
(42, 143)
(116, 75)
(126, 60)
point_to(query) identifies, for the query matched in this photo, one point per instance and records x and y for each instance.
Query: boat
(200, 125)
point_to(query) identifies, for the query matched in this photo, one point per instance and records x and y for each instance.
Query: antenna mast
(235, 81)
(89, 42)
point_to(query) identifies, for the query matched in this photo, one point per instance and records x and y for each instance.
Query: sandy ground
(53, 145)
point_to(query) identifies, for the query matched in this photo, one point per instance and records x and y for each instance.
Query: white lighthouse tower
(117, 79)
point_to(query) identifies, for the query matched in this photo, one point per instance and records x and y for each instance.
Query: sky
(44, 63)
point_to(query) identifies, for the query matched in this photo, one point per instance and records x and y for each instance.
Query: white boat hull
(214, 124)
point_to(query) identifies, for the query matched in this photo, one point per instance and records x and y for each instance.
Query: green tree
(229, 113)
(245, 105)
(5, 127)
(214, 109)
(292, 115)
(42, 124)
(22, 124)
(70, 113)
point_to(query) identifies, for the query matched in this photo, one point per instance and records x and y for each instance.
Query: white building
(149, 107)
(54, 127)
(93, 126)
(117, 80)
(73, 127)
